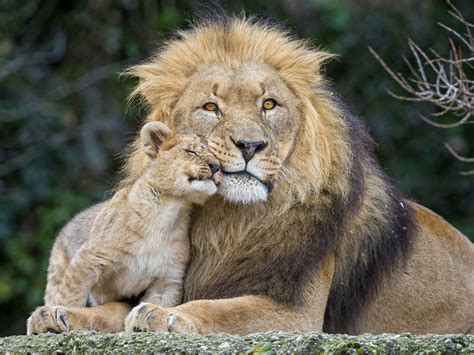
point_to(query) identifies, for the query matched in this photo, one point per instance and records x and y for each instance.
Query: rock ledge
(271, 342)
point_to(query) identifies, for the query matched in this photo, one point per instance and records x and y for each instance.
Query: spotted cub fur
(138, 244)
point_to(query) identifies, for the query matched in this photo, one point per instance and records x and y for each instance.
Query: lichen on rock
(270, 342)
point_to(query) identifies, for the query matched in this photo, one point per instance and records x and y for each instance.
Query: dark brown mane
(385, 248)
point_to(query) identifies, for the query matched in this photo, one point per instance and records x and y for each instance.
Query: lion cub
(138, 244)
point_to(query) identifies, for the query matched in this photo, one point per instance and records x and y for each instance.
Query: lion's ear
(153, 134)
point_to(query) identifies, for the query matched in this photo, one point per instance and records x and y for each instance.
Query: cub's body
(146, 259)
(138, 245)
(158, 259)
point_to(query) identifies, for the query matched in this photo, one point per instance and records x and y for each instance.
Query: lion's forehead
(237, 69)
(234, 80)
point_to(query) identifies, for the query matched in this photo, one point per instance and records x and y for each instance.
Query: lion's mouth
(246, 176)
(243, 188)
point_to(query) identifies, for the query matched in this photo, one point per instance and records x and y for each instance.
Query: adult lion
(307, 232)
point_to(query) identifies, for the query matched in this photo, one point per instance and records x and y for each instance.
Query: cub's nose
(249, 149)
(214, 167)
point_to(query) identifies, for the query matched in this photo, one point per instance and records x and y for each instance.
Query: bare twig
(441, 80)
(457, 156)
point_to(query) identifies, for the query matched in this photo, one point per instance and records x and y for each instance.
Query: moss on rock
(271, 342)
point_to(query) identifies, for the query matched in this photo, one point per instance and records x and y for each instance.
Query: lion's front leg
(108, 318)
(240, 315)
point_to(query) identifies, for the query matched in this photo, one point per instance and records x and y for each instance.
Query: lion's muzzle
(248, 166)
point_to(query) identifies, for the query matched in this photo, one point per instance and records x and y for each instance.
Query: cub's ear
(153, 134)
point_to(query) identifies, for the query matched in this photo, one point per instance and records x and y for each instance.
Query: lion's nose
(249, 149)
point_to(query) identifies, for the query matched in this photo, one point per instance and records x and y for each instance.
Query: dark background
(64, 118)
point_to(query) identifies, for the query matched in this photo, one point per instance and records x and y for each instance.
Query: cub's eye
(192, 152)
(210, 106)
(269, 104)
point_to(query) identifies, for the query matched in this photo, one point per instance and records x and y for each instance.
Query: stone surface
(271, 342)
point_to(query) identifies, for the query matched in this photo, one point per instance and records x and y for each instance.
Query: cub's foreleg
(165, 293)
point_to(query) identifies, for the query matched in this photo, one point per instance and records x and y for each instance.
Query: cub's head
(181, 165)
(257, 95)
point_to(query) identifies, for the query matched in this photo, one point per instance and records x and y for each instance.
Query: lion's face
(251, 120)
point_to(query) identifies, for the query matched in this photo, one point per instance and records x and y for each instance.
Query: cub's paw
(47, 319)
(148, 317)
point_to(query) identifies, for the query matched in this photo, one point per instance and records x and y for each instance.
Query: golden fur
(138, 245)
(165, 78)
(333, 246)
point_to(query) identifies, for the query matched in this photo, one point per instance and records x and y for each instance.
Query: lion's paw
(48, 319)
(181, 324)
(148, 317)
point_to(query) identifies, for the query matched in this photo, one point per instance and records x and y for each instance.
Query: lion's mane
(357, 214)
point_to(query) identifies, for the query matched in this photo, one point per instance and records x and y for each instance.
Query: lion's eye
(269, 104)
(210, 106)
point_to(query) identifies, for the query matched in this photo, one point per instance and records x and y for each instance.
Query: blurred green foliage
(63, 114)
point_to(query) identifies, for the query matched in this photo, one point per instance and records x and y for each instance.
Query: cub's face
(250, 118)
(182, 164)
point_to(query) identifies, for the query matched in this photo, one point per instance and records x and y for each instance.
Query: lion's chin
(242, 188)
